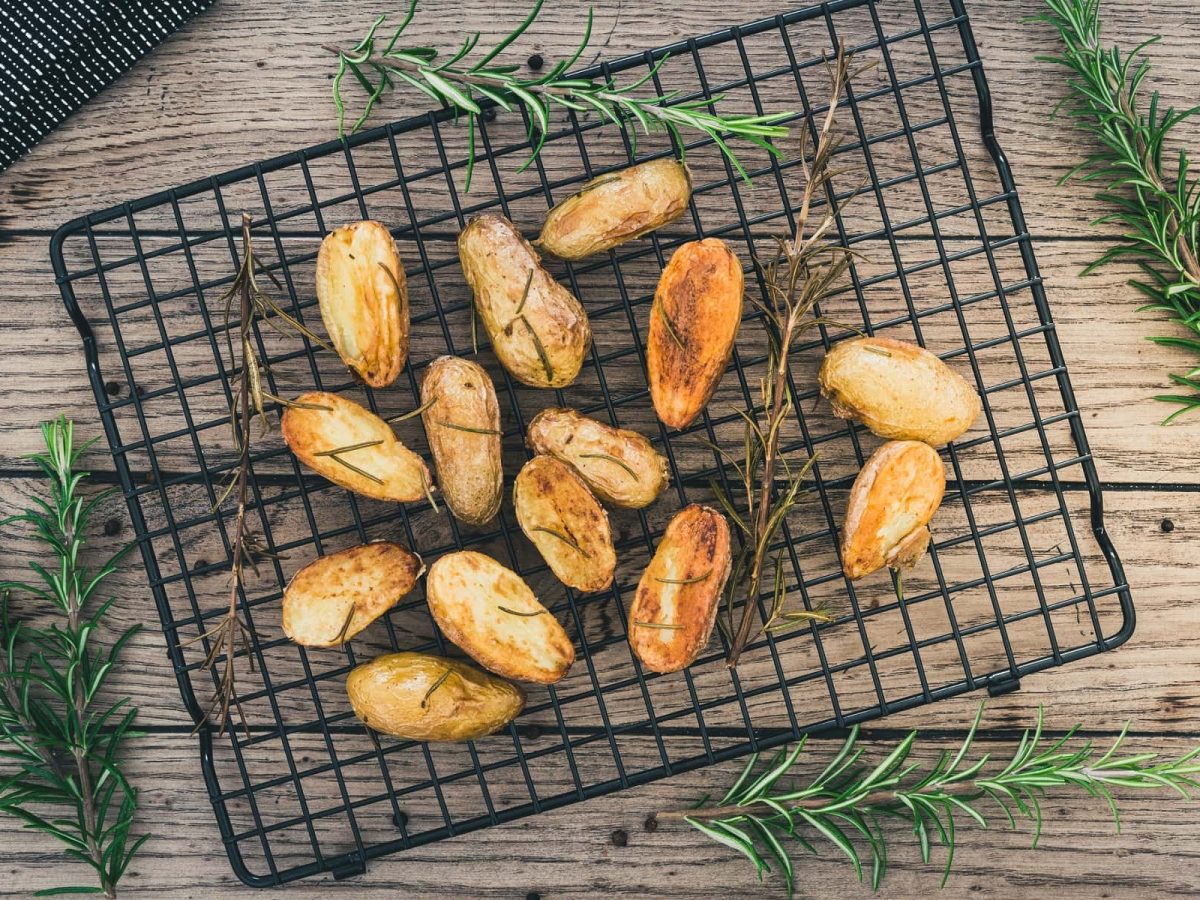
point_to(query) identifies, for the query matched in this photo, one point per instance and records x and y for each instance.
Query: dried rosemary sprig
(460, 83)
(806, 269)
(849, 800)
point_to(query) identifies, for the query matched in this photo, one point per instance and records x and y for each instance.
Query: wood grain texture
(171, 120)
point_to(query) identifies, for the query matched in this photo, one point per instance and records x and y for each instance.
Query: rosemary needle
(468, 428)
(666, 626)
(537, 345)
(570, 542)
(695, 580)
(612, 459)
(441, 679)
(514, 612)
(668, 324)
(341, 635)
(525, 293)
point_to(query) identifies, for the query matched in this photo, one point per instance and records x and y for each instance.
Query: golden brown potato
(538, 329)
(673, 612)
(335, 597)
(423, 697)
(354, 448)
(893, 498)
(462, 421)
(616, 208)
(620, 466)
(694, 322)
(566, 523)
(898, 390)
(363, 296)
(489, 611)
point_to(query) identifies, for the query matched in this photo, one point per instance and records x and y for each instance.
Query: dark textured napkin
(55, 55)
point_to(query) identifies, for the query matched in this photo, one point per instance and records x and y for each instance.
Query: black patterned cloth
(55, 55)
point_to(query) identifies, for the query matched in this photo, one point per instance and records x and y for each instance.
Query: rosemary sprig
(807, 269)
(848, 801)
(462, 82)
(1154, 199)
(61, 745)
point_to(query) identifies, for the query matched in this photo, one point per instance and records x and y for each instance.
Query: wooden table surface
(247, 81)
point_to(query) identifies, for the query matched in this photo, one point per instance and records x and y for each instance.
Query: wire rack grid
(1018, 579)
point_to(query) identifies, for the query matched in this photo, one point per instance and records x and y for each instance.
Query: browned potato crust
(539, 331)
(566, 523)
(617, 207)
(383, 467)
(489, 611)
(672, 615)
(423, 697)
(462, 422)
(892, 501)
(363, 296)
(620, 466)
(335, 597)
(697, 311)
(898, 390)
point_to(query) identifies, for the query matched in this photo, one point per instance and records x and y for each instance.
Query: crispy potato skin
(893, 499)
(498, 263)
(898, 390)
(343, 423)
(369, 579)
(459, 395)
(396, 694)
(695, 545)
(617, 207)
(700, 293)
(363, 296)
(549, 496)
(591, 446)
(466, 591)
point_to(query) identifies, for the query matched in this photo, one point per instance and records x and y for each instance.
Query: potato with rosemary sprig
(462, 421)
(539, 330)
(618, 207)
(335, 597)
(491, 613)
(564, 520)
(354, 448)
(422, 697)
(620, 466)
(363, 296)
(693, 323)
(673, 612)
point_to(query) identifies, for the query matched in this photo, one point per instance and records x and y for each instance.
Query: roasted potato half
(462, 421)
(489, 611)
(538, 329)
(620, 466)
(335, 597)
(693, 324)
(675, 607)
(423, 697)
(893, 499)
(567, 524)
(363, 296)
(354, 448)
(617, 207)
(898, 390)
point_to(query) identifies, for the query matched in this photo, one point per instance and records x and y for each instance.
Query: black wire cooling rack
(1019, 579)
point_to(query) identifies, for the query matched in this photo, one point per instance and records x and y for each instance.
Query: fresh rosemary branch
(61, 743)
(1155, 199)
(461, 82)
(847, 802)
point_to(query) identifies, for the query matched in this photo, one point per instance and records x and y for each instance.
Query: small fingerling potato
(422, 697)
(891, 504)
(617, 207)
(354, 448)
(898, 390)
(693, 324)
(560, 515)
(675, 607)
(462, 421)
(363, 295)
(335, 597)
(538, 329)
(620, 466)
(490, 612)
